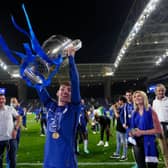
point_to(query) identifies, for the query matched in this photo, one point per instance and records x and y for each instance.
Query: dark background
(96, 22)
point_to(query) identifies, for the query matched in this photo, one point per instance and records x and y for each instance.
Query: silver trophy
(55, 46)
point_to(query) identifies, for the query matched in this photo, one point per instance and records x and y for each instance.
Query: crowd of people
(65, 122)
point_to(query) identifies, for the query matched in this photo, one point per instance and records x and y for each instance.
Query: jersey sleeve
(74, 77)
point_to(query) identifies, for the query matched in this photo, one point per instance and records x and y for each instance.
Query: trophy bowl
(57, 44)
(38, 71)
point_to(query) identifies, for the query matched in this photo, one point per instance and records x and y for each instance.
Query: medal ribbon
(55, 119)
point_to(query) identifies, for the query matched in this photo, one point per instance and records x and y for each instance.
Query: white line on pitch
(85, 163)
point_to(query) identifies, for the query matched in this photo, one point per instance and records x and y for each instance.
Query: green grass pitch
(30, 153)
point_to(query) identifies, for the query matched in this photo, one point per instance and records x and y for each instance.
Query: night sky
(96, 22)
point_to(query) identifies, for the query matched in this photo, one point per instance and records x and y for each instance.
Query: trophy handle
(77, 44)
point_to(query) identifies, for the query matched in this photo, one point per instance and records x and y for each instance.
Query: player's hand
(71, 51)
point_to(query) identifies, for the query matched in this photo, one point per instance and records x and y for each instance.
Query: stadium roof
(140, 50)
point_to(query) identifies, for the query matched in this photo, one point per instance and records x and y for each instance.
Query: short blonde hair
(145, 99)
(160, 85)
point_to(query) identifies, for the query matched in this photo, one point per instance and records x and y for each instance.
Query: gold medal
(55, 135)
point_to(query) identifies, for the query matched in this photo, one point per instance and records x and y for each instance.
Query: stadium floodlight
(3, 65)
(109, 73)
(16, 75)
(149, 8)
(162, 58)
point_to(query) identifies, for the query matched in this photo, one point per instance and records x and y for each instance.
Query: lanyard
(56, 118)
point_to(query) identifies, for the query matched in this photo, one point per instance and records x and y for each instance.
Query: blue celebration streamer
(19, 28)
(33, 52)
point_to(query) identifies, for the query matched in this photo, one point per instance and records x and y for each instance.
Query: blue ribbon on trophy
(35, 67)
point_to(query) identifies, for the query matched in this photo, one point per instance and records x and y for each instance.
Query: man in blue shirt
(24, 118)
(82, 131)
(42, 116)
(120, 131)
(62, 121)
(127, 111)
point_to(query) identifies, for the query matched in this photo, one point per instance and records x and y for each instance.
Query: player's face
(2, 100)
(160, 92)
(64, 94)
